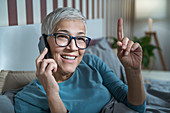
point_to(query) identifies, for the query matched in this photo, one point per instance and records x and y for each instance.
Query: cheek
(52, 44)
(81, 52)
(56, 52)
(54, 49)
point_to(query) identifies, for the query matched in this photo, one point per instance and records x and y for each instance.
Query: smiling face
(67, 58)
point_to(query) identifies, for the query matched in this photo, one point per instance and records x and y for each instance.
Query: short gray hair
(50, 21)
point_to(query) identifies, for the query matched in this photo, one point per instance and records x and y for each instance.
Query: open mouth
(68, 57)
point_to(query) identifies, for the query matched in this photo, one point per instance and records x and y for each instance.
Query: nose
(72, 45)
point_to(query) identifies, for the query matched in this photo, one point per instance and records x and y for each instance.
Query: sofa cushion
(15, 79)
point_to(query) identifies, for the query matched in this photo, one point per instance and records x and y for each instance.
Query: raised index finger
(120, 33)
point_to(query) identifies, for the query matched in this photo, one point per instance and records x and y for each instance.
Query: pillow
(11, 94)
(5, 105)
(115, 107)
(103, 50)
(3, 75)
(17, 79)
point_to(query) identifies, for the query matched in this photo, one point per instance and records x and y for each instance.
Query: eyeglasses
(63, 40)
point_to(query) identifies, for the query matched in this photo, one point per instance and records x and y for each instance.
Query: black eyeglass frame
(71, 37)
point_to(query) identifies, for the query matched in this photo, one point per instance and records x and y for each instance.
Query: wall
(23, 12)
(117, 9)
(0, 53)
(19, 48)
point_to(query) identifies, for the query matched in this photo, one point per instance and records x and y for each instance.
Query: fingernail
(124, 47)
(126, 53)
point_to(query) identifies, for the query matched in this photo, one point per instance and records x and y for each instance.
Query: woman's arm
(55, 103)
(136, 92)
(45, 67)
(130, 55)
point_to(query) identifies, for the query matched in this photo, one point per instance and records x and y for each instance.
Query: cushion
(5, 105)
(11, 94)
(103, 50)
(115, 107)
(15, 79)
(3, 75)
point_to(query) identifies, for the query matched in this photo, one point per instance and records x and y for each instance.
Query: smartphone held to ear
(42, 44)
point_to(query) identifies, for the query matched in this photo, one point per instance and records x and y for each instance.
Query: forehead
(70, 25)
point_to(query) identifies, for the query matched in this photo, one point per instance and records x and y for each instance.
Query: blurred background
(137, 15)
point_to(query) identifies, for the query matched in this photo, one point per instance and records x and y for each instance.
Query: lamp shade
(150, 8)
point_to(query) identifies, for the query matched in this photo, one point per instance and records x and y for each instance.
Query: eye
(63, 36)
(81, 38)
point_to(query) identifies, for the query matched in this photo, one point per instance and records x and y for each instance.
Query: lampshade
(150, 8)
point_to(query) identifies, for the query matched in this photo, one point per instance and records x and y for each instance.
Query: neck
(61, 77)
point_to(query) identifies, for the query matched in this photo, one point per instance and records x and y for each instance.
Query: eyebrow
(65, 31)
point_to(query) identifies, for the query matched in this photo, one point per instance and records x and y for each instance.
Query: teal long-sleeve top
(88, 90)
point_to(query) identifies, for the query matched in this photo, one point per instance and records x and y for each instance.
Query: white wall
(19, 47)
(19, 44)
(0, 53)
(95, 28)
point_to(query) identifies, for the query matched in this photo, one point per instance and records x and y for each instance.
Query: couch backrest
(10, 80)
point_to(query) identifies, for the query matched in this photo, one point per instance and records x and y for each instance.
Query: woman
(78, 83)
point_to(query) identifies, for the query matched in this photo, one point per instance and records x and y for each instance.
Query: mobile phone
(42, 44)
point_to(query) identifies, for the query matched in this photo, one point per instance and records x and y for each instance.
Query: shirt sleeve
(117, 88)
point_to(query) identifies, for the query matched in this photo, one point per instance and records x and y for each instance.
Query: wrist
(133, 70)
(133, 73)
(52, 94)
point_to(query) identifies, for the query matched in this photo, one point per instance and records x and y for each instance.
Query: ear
(40, 37)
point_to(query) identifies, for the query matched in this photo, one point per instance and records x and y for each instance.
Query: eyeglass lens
(64, 40)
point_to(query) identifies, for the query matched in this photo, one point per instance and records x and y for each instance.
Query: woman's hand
(129, 53)
(45, 68)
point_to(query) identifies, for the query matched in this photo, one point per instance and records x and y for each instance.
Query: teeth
(68, 57)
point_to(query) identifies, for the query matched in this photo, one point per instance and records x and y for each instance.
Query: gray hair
(50, 21)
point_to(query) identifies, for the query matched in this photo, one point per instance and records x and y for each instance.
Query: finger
(119, 48)
(51, 67)
(45, 63)
(124, 43)
(41, 57)
(135, 46)
(120, 33)
(129, 46)
(42, 67)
